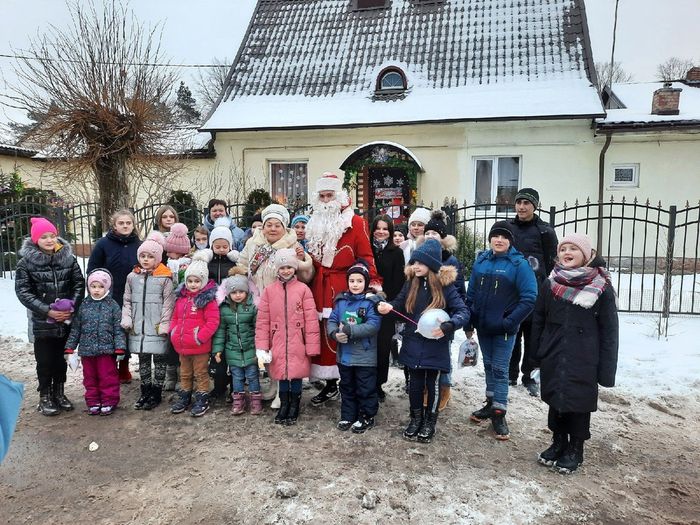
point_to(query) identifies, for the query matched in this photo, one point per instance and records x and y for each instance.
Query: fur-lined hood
(35, 258)
(449, 243)
(201, 297)
(447, 274)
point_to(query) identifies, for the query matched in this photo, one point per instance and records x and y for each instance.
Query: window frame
(483, 208)
(356, 5)
(634, 183)
(384, 72)
(271, 162)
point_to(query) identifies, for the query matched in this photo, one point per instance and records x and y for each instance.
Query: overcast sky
(649, 31)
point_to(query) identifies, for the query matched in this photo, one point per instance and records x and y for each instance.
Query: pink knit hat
(154, 244)
(101, 276)
(286, 257)
(581, 241)
(177, 241)
(40, 226)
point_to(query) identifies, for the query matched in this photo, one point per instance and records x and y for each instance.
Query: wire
(150, 64)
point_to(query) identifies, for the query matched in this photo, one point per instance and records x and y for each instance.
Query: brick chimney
(693, 75)
(665, 100)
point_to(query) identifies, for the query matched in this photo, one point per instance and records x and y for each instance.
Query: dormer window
(371, 4)
(391, 79)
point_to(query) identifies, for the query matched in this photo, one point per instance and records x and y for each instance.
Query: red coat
(195, 320)
(329, 282)
(288, 326)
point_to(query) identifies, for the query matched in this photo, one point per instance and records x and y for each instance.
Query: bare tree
(211, 82)
(673, 69)
(104, 96)
(608, 76)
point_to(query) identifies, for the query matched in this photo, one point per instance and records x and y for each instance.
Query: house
(414, 100)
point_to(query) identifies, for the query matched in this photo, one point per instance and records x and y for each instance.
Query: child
(200, 239)
(195, 320)
(429, 285)
(49, 271)
(416, 226)
(166, 216)
(575, 340)
(399, 234)
(354, 323)
(235, 339)
(287, 333)
(502, 292)
(96, 334)
(299, 226)
(148, 306)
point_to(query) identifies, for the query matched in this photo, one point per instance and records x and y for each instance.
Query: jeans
(358, 391)
(242, 373)
(495, 351)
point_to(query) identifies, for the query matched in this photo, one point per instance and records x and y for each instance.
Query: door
(389, 192)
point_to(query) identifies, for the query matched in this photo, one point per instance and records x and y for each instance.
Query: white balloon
(430, 320)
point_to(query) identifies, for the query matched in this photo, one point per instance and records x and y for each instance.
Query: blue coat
(96, 329)
(361, 348)
(502, 292)
(116, 253)
(236, 232)
(418, 351)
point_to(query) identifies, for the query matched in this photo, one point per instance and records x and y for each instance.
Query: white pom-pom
(233, 255)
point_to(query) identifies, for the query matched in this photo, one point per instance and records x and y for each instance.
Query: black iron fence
(653, 252)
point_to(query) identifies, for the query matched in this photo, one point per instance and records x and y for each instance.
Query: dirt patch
(154, 467)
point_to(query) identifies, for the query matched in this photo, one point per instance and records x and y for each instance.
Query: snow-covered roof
(637, 98)
(315, 63)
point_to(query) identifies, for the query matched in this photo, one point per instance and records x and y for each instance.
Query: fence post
(552, 215)
(61, 221)
(451, 214)
(669, 261)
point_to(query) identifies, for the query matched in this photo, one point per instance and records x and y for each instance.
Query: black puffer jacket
(575, 348)
(537, 241)
(40, 279)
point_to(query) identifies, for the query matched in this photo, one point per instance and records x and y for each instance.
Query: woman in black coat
(575, 343)
(389, 260)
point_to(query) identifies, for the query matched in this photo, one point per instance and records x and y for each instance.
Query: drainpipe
(601, 190)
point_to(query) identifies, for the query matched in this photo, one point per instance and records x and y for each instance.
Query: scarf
(380, 245)
(262, 254)
(580, 286)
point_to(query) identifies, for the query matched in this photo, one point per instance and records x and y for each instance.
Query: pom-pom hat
(421, 215)
(428, 253)
(199, 267)
(177, 241)
(153, 245)
(437, 223)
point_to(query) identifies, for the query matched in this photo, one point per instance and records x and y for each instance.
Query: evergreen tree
(185, 106)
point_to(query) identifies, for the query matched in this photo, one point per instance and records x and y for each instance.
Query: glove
(341, 337)
(120, 354)
(447, 328)
(264, 355)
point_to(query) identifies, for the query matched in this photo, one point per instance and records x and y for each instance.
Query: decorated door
(389, 192)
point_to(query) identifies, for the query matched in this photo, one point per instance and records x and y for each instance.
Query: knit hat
(329, 182)
(428, 253)
(177, 241)
(40, 226)
(237, 283)
(300, 218)
(581, 241)
(361, 267)
(276, 211)
(221, 230)
(153, 245)
(437, 223)
(420, 215)
(199, 267)
(256, 218)
(286, 257)
(501, 228)
(102, 276)
(530, 195)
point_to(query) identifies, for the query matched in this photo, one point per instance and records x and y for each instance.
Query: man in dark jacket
(537, 241)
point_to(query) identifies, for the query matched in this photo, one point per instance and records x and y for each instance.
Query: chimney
(665, 100)
(693, 75)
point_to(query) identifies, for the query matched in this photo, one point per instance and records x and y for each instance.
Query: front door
(389, 192)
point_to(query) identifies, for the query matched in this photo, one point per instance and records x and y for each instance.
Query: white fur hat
(329, 182)
(420, 215)
(276, 211)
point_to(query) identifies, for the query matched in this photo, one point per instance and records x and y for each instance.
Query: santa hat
(329, 182)
(199, 267)
(153, 245)
(177, 241)
(40, 226)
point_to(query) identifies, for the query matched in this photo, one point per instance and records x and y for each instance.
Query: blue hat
(428, 253)
(300, 218)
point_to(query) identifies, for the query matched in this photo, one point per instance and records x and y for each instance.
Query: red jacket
(195, 320)
(287, 325)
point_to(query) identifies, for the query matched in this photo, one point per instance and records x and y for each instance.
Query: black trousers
(50, 363)
(575, 424)
(219, 372)
(384, 344)
(424, 379)
(522, 339)
(358, 391)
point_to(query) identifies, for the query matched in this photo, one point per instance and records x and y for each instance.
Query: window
(625, 176)
(391, 79)
(288, 182)
(371, 4)
(496, 180)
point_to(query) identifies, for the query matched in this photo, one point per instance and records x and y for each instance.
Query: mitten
(448, 328)
(264, 355)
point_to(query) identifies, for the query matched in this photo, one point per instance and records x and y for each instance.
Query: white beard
(324, 229)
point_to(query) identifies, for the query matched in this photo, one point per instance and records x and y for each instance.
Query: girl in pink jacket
(192, 327)
(287, 333)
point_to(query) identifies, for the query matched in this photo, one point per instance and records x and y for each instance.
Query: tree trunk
(113, 186)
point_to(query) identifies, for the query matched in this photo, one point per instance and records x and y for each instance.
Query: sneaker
(94, 411)
(343, 425)
(532, 388)
(362, 425)
(326, 394)
(107, 411)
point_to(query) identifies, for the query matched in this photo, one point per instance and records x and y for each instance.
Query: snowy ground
(640, 465)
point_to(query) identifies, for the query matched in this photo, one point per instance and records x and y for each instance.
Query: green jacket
(235, 337)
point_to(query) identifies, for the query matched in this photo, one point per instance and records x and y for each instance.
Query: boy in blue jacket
(354, 323)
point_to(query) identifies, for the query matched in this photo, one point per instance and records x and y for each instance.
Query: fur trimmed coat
(195, 320)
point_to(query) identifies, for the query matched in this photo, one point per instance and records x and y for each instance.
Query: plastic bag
(430, 320)
(74, 361)
(468, 353)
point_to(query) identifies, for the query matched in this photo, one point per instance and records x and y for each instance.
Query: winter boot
(293, 414)
(201, 404)
(362, 425)
(46, 405)
(143, 399)
(498, 422)
(283, 411)
(238, 407)
(445, 395)
(60, 399)
(182, 402)
(256, 405)
(559, 443)
(170, 378)
(572, 457)
(427, 429)
(124, 373)
(414, 425)
(484, 413)
(330, 391)
(154, 399)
